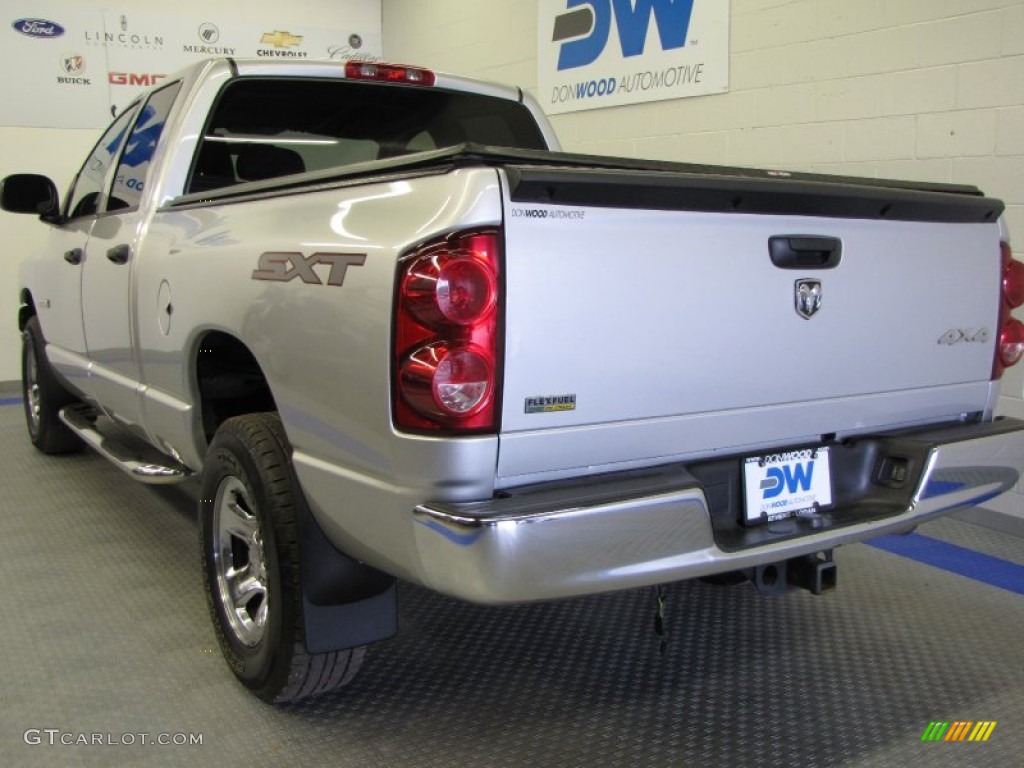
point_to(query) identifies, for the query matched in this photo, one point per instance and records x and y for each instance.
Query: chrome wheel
(33, 402)
(239, 562)
(43, 395)
(248, 504)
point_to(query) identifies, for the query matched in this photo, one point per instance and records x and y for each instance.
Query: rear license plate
(786, 484)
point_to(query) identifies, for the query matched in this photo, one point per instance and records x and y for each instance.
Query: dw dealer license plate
(786, 484)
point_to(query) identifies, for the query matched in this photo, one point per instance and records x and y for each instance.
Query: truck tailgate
(646, 325)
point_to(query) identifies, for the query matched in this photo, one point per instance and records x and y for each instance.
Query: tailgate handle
(805, 251)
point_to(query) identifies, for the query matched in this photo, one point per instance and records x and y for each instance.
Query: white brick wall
(919, 89)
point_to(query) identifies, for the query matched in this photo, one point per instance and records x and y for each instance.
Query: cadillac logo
(808, 297)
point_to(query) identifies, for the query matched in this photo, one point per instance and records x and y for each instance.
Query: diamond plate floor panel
(105, 631)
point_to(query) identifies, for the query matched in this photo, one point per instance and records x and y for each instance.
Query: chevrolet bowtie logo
(280, 39)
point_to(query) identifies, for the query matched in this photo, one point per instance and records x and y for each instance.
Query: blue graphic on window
(142, 143)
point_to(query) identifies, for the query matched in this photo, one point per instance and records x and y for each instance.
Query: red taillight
(443, 380)
(442, 288)
(1010, 341)
(388, 73)
(1013, 278)
(446, 335)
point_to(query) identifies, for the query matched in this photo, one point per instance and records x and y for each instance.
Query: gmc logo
(134, 78)
(632, 18)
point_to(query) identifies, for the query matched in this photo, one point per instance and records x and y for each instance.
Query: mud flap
(345, 603)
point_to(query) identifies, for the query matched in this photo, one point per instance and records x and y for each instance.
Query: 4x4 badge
(808, 297)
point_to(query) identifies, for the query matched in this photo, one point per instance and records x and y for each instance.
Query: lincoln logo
(808, 298)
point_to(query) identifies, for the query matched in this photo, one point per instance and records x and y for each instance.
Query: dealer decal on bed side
(282, 266)
(551, 214)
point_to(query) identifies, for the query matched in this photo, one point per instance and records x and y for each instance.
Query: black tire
(250, 561)
(44, 396)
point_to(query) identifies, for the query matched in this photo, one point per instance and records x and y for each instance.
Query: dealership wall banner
(71, 67)
(604, 53)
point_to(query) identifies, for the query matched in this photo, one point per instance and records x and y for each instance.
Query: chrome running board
(131, 455)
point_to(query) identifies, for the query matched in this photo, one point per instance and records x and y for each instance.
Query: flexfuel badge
(550, 403)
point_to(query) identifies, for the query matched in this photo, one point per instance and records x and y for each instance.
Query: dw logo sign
(591, 22)
(602, 53)
(791, 478)
(787, 483)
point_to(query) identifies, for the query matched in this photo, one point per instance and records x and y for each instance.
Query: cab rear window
(263, 128)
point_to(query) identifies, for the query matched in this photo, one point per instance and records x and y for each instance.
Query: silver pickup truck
(397, 334)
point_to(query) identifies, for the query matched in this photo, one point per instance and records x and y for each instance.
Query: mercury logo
(209, 33)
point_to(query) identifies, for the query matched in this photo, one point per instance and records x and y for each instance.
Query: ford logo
(38, 28)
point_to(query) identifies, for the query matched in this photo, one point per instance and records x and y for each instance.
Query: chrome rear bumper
(648, 528)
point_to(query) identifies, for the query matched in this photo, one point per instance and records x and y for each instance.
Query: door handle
(74, 256)
(805, 251)
(120, 254)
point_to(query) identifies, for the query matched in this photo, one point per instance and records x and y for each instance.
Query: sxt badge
(282, 266)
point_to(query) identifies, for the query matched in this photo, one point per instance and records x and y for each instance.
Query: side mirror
(30, 193)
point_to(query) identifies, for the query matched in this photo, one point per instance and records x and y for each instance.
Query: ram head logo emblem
(808, 297)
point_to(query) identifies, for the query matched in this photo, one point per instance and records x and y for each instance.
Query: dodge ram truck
(395, 333)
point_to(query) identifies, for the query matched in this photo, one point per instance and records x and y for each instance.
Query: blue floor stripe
(959, 560)
(10, 401)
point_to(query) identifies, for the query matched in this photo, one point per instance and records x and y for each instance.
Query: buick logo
(38, 28)
(73, 64)
(808, 297)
